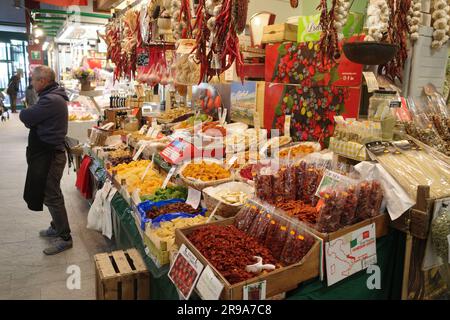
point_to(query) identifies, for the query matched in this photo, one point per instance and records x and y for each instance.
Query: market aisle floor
(25, 272)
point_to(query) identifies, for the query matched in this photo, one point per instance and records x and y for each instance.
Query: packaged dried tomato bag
(264, 183)
(363, 209)
(376, 198)
(314, 174)
(262, 227)
(346, 203)
(244, 218)
(300, 174)
(297, 245)
(329, 217)
(290, 188)
(276, 235)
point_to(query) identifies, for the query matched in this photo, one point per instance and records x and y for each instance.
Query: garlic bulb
(377, 20)
(414, 19)
(341, 11)
(441, 23)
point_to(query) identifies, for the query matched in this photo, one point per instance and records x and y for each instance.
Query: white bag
(96, 212)
(107, 219)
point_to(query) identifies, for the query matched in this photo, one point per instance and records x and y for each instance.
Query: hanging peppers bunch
(181, 19)
(219, 22)
(132, 40)
(329, 45)
(398, 32)
(113, 41)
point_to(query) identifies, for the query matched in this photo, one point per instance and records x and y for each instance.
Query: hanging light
(38, 32)
(36, 41)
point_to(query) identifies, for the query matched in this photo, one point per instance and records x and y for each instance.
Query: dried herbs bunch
(440, 229)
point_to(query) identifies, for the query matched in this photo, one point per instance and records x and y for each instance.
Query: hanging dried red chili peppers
(329, 45)
(217, 45)
(398, 32)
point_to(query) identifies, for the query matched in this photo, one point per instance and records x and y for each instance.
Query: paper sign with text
(350, 253)
(208, 285)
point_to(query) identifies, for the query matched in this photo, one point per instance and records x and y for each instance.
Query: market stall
(234, 183)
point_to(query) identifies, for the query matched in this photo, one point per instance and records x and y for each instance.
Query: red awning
(64, 3)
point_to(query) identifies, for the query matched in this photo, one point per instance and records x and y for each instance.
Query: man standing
(46, 157)
(13, 90)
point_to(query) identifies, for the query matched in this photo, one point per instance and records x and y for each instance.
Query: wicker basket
(225, 210)
(198, 184)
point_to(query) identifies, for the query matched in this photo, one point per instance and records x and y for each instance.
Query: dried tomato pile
(230, 250)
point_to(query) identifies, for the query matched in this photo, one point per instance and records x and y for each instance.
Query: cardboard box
(279, 33)
(312, 109)
(278, 281)
(296, 63)
(309, 27)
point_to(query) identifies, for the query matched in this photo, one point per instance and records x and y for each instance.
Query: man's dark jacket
(47, 121)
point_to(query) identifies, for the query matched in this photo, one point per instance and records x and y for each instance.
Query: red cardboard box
(312, 109)
(299, 63)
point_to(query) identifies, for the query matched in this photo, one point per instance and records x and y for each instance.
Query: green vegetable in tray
(198, 118)
(175, 192)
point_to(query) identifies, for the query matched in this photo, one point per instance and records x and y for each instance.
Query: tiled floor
(25, 272)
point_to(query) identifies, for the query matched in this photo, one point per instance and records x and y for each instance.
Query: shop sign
(350, 253)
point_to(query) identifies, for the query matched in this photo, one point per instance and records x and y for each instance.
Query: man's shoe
(58, 245)
(48, 233)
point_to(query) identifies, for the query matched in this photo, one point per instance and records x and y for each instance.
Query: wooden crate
(381, 226)
(158, 251)
(280, 33)
(121, 275)
(278, 281)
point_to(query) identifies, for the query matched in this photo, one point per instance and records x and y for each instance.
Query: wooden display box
(278, 281)
(158, 252)
(279, 33)
(381, 227)
(121, 275)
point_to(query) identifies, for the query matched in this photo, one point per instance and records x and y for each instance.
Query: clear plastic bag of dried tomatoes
(297, 245)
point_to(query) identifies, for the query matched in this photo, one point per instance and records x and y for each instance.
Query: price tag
(146, 169)
(185, 271)
(136, 197)
(155, 132)
(229, 74)
(330, 180)
(287, 125)
(208, 285)
(223, 117)
(169, 175)
(143, 129)
(371, 80)
(128, 139)
(255, 291)
(139, 152)
(232, 161)
(256, 122)
(194, 197)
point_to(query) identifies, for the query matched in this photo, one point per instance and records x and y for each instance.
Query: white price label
(232, 161)
(169, 175)
(287, 126)
(146, 170)
(139, 152)
(208, 285)
(155, 132)
(371, 80)
(194, 197)
(143, 129)
(128, 139)
(136, 197)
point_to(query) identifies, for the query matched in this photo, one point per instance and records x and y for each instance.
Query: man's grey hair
(44, 72)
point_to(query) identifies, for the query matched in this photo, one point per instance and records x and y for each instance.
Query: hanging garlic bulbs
(441, 22)
(377, 20)
(213, 8)
(341, 11)
(414, 18)
(177, 26)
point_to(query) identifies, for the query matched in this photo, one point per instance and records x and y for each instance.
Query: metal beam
(83, 14)
(41, 17)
